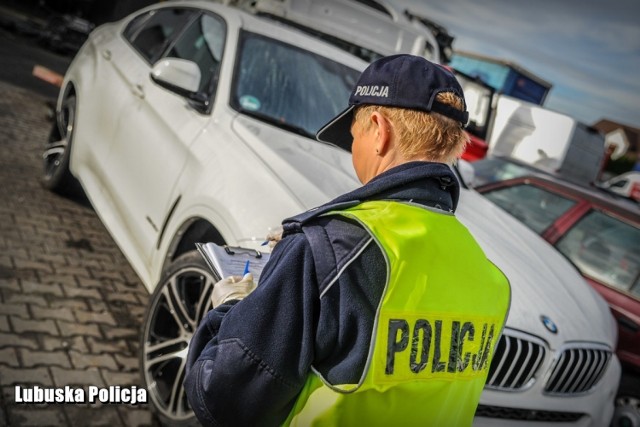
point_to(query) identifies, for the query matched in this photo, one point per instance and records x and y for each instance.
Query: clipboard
(228, 261)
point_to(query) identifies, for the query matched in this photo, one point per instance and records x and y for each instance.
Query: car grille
(527, 414)
(515, 361)
(577, 370)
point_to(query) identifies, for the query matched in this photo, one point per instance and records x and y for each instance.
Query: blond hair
(422, 135)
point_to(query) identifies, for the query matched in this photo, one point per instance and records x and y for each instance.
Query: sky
(588, 49)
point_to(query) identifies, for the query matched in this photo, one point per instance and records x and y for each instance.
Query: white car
(626, 184)
(192, 121)
(370, 29)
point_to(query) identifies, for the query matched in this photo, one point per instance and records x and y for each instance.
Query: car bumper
(533, 408)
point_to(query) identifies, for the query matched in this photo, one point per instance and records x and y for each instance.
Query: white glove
(274, 236)
(232, 288)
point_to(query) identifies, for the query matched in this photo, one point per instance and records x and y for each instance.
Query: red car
(600, 234)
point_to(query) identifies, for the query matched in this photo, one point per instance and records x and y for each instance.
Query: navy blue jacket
(249, 360)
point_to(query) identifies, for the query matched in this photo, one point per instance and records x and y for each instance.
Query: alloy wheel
(56, 148)
(174, 314)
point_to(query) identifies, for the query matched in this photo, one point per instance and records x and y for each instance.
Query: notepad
(227, 261)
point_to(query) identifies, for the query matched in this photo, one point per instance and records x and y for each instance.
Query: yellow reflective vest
(439, 319)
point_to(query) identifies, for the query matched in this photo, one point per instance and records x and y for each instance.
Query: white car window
(491, 169)
(151, 33)
(606, 249)
(202, 43)
(534, 206)
(289, 87)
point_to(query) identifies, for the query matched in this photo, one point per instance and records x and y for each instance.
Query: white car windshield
(289, 87)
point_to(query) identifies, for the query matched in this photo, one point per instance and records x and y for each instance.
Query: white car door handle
(106, 54)
(138, 90)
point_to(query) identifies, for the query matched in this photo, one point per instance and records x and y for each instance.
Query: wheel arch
(191, 231)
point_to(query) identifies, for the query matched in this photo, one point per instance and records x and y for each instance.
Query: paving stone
(56, 260)
(85, 262)
(6, 262)
(122, 378)
(67, 343)
(111, 346)
(98, 305)
(128, 287)
(29, 287)
(4, 324)
(52, 313)
(14, 309)
(15, 340)
(137, 417)
(60, 278)
(80, 272)
(124, 297)
(76, 377)
(9, 357)
(23, 325)
(81, 360)
(104, 260)
(82, 292)
(18, 298)
(8, 394)
(86, 282)
(112, 333)
(138, 311)
(105, 415)
(93, 317)
(127, 364)
(12, 284)
(19, 251)
(22, 416)
(27, 264)
(68, 329)
(75, 304)
(32, 358)
(106, 274)
(25, 274)
(24, 376)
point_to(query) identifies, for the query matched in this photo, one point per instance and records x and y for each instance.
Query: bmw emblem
(548, 323)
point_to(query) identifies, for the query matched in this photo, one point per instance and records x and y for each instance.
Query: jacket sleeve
(249, 360)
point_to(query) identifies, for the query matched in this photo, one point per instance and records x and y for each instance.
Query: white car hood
(313, 172)
(543, 282)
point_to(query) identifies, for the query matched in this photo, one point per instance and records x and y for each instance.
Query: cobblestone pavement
(70, 304)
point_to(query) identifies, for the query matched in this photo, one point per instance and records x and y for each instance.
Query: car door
(157, 126)
(105, 73)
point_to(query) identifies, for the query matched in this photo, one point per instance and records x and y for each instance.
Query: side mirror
(182, 77)
(177, 75)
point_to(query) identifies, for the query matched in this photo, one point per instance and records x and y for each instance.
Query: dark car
(600, 234)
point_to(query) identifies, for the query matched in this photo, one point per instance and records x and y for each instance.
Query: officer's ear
(381, 128)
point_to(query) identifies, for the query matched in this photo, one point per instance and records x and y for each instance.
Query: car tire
(627, 403)
(56, 174)
(178, 303)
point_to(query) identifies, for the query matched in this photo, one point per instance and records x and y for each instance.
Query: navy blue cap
(404, 81)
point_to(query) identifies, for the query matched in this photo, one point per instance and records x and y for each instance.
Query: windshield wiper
(283, 125)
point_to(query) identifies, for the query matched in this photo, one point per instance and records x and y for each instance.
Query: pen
(246, 268)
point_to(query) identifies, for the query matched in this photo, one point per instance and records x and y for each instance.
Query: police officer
(378, 308)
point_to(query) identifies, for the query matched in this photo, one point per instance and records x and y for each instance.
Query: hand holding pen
(233, 287)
